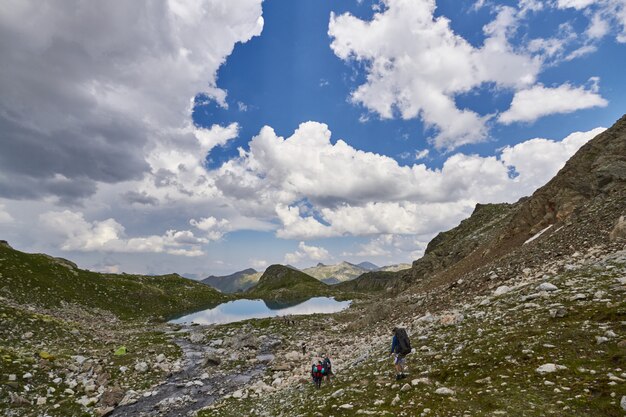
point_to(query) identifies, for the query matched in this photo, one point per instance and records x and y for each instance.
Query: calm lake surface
(239, 310)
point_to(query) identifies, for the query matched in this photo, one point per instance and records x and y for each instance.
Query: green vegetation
(281, 282)
(49, 282)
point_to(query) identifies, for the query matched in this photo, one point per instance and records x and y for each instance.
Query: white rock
(79, 359)
(41, 400)
(238, 394)
(160, 358)
(338, 393)
(623, 403)
(141, 367)
(546, 286)
(12, 377)
(379, 402)
(405, 388)
(601, 339)
(549, 368)
(57, 380)
(395, 401)
(27, 375)
(123, 369)
(610, 333)
(196, 337)
(503, 289)
(69, 391)
(418, 381)
(444, 391)
(346, 406)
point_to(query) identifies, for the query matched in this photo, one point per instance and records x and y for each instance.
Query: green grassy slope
(48, 282)
(282, 282)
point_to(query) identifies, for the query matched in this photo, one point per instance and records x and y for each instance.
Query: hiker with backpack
(316, 374)
(400, 347)
(327, 367)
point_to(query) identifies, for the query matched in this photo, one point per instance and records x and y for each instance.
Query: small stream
(186, 391)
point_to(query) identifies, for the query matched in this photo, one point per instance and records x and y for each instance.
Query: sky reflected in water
(239, 310)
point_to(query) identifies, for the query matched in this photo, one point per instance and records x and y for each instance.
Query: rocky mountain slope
(235, 282)
(332, 274)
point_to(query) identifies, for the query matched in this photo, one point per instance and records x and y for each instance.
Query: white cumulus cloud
(306, 252)
(538, 101)
(416, 65)
(78, 234)
(315, 188)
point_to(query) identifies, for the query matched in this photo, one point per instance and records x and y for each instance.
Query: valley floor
(520, 350)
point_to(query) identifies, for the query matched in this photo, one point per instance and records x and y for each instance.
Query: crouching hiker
(316, 374)
(400, 347)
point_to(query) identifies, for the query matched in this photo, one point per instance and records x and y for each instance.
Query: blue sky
(318, 131)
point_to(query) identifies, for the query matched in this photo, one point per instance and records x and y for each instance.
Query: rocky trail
(193, 387)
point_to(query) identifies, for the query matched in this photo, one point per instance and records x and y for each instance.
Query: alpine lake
(239, 310)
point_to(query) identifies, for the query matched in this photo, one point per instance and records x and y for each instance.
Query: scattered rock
(546, 286)
(196, 337)
(549, 368)
(503, 289)
(338, 393)
(405, 388)
(558, 312)
(141, 367)
(444, 391)
(395, 401)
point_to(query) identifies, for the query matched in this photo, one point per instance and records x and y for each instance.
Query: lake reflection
(238, 310)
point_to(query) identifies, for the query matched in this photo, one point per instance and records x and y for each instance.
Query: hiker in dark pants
(328, 366)
(316, 374)
(400, 347)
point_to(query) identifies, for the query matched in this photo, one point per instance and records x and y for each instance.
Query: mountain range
(329, 274)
